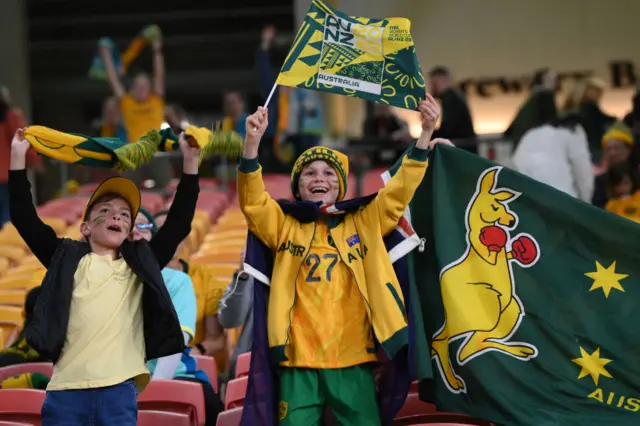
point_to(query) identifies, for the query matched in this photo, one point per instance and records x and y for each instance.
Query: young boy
(332, 287)
(103, 307)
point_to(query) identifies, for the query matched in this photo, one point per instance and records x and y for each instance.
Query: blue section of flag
(353, 240)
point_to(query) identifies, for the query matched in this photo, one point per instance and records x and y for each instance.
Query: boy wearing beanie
(333, 289)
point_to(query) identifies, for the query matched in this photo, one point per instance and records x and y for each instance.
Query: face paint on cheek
(98, 220)
(127, 225)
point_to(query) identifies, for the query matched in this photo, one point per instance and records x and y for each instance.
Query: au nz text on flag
(530, 298)
(369, 58)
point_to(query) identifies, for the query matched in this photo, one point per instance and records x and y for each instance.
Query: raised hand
(19, 147)
(429, 112)
(191, 155)
(256, 125)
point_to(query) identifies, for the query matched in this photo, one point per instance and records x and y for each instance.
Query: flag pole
(273, 89)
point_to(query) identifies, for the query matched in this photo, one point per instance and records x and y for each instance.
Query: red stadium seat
(208, 365)
(162, 418)
(372, 181)
(21, 405)
(236, 390)
(413, 406)
(230, 417)
(152, 201)
(45, 368)
(243, 365)
(3, 423)
(441, 419)
(174, 396)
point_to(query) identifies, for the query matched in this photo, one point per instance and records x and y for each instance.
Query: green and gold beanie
(618, 131)
(335, 159)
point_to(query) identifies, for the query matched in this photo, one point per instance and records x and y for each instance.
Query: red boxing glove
(524, 250)
(494, 237)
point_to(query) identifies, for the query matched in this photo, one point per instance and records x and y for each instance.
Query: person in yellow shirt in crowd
(91, 318)
(624, 194)
(209, 338)
(332, 287)
(142, 109)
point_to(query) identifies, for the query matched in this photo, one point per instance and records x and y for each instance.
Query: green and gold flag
(369, 58)
(531, 298)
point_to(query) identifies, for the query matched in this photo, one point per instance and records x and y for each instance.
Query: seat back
(230, 417)
(243, 365)
(13, 297)
(208, 365)
(9, 332)
(414, 406)
(174, 396)
(21, 405)
(45, 368)
(160, 418)
(236, 391)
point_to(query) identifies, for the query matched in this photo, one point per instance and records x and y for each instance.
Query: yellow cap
(121, 186)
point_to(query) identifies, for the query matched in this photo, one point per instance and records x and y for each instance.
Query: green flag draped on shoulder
(369, 58)
(114, 153)
(531, 298)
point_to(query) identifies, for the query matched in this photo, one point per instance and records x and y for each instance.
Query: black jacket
(47, 329)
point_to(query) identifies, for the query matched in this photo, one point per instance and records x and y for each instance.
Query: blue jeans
(4, 203)
(112, 405)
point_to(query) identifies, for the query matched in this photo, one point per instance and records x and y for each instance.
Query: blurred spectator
(539, 108)
(176, 118)
(383, 123)
(11, 119)
(235, 113)
(622, 188)
(209, 335)
(456, 122)
(585, 98)
(20, 352)
(633, 121)
(558, 154)
(296, 119)
(142, 109)
(236, 310)
(617, 145)
(111, 125)
(181, 366)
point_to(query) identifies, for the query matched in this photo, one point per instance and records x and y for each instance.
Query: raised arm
(178, 223)
(112, 74)
(394, 198)
(263, 214)
(40, 238)
(158, 68)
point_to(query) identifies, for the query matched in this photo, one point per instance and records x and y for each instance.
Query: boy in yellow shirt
(103, 308)
(334, 295)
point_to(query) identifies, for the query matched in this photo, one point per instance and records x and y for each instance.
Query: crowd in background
(571, 145)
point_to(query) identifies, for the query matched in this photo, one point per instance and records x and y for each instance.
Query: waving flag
(369, 58)
(530, 297)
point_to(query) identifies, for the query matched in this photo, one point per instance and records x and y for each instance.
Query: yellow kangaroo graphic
(478, 290)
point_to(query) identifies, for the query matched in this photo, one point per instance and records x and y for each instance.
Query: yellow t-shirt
(140, 117)
(628, 207)
(104, 345)
(330, 327)
(209, 292)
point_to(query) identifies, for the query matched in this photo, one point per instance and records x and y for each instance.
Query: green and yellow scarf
(117, 154)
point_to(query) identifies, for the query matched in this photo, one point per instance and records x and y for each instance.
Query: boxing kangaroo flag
(531, 298)
(368, 58)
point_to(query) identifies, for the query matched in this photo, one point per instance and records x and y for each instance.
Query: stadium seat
(7, 423)
(45, 368)
(162, 418)
(208, 365)
(4, 265)
(230, 417)
(215, 258)
(174, 396)
(9, 332)
(236, 390)
(231, 234)
(441, 419)
(243, 365)
(413, 406)
(19, 281)
(152, 201)
(12, 314)
(21, 405)
(372, 181)
(24, 269)
(12, 297)
(14, 253)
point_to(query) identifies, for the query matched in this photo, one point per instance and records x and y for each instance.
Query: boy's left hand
(429, 112)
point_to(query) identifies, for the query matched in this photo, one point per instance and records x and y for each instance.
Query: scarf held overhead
(260, 406)
(117, 154)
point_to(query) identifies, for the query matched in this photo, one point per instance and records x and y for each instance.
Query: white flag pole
(273, 89)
